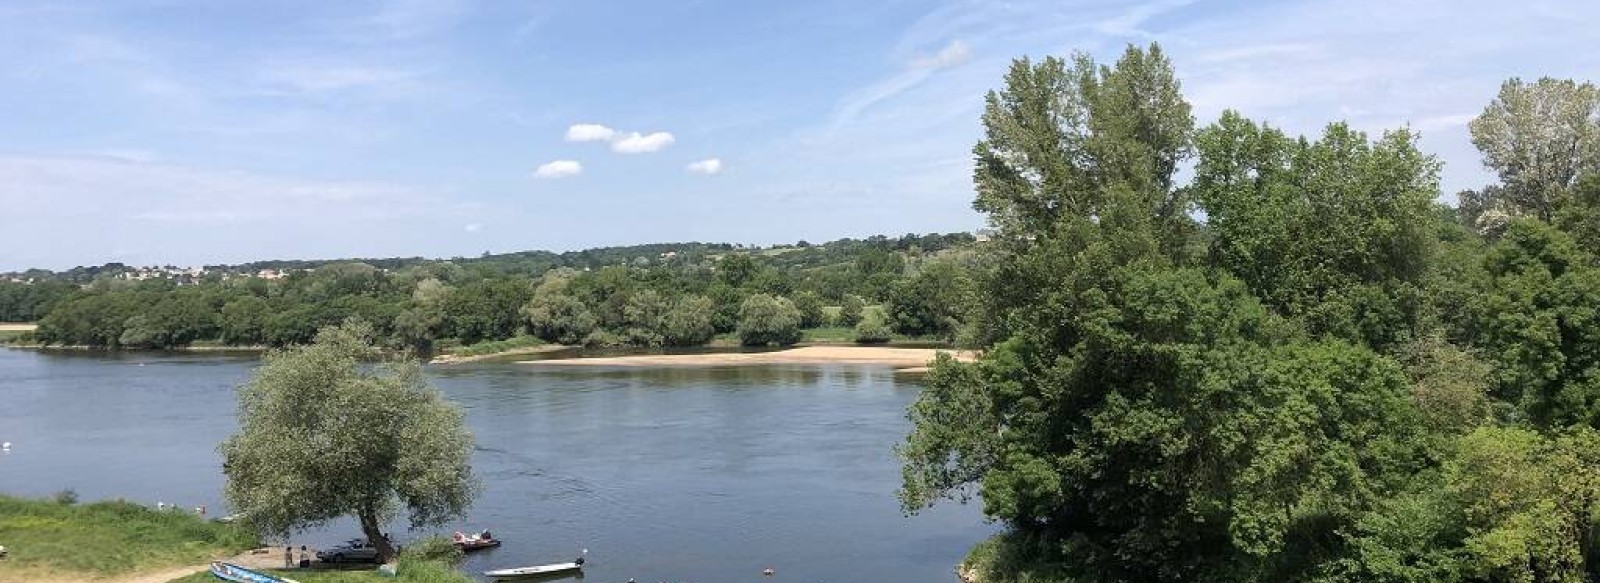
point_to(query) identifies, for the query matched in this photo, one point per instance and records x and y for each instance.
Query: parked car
(357, 550)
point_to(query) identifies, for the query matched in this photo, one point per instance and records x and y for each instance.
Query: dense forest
(1334, 377)
(679, 294)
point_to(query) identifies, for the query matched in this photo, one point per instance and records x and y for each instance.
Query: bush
(765, 319)
(873, 331)
(66, 497)
(434, 549)
(850, 311)
(603, 339)
(810, 306)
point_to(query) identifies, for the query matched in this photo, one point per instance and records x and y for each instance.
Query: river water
(703, 475)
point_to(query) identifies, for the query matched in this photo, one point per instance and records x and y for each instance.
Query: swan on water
(6, 445)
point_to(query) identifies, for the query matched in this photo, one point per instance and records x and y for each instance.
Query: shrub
(66, 497)
(765, 319)
(873, 330)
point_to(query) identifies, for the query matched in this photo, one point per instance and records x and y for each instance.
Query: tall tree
(1539, 138)
(1140, 418)
(321, 437)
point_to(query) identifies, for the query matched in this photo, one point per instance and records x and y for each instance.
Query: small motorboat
(538, 570)
(237, 574)
(474, 542)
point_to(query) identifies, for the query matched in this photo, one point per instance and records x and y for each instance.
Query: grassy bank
(410, 572)
(53, 540)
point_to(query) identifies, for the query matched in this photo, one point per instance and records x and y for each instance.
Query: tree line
(1330, 377)
(652, 295)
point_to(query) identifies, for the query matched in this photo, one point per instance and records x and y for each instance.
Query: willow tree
(324, 436)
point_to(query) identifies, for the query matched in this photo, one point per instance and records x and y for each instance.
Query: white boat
(537, 570)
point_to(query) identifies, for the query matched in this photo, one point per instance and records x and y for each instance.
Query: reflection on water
(677, 474)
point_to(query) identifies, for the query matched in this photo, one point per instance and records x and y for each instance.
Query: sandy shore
(17, 327)
(899, 358)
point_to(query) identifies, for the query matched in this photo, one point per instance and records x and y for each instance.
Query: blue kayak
(237, 574)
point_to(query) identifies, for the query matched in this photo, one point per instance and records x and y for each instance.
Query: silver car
(357, 550)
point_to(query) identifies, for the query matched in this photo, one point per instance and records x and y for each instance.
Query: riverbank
(59, 541)
(901, 359)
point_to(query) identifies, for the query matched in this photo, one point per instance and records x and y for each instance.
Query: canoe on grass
(237, 574)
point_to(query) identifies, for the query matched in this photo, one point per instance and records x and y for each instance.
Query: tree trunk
(371, 528)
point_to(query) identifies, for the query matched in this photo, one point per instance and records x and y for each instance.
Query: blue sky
(166, 131)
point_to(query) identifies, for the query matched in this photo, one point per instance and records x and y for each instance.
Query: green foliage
(320, 437)
(765, 320)
(1539, 322)
(1337, 231)
(497, 346)
(689, 322)
(615, 297)
(735, 269)
(1580, 217)
(810, 305)
(66, 497)
(1539, 138)
(850, 310)
(1530, 503)
(929, 303)
(48, 540)
(873, 330)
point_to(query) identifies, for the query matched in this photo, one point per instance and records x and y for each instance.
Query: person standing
(288, 557)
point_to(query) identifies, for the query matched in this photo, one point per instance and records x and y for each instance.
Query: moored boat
(237, 574)
(473, 542)
(537, 570)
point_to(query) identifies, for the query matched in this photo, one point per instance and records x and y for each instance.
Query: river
(703, 475)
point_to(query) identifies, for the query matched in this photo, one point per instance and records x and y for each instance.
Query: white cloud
(708, 166)
(636, 143)
(472, 227)
(559, 169)
(590, 132)
(953, 54)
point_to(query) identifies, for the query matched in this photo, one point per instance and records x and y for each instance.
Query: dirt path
(160, 576)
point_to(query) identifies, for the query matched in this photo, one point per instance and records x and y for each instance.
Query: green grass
(830, 334)
(410, 572)
(47, 539)
(9, 335)
(495, 347)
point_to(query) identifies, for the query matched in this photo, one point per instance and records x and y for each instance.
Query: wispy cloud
(915, 73)
(559, 169)
(637, 143)
(707, 167)
(953, 54)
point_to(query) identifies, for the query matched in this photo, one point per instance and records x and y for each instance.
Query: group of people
(288, 558)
